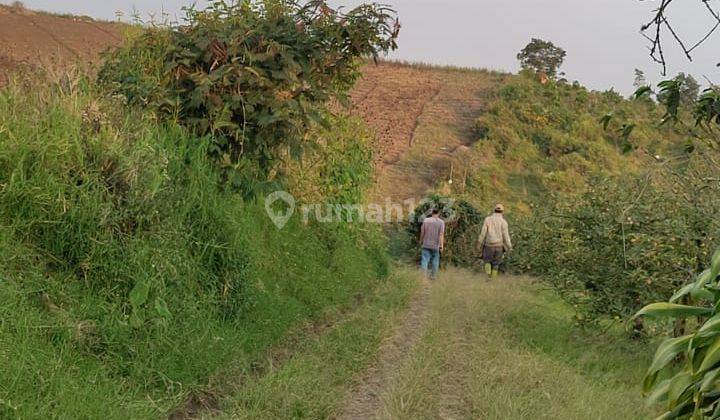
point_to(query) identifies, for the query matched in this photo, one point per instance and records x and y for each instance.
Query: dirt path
(365, 401)
(459, 348)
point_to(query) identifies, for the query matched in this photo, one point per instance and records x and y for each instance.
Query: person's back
(433, 229)
(494, 240)
(432, 240)
(497, 232)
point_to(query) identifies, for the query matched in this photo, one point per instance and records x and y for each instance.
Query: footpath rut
(365, 401)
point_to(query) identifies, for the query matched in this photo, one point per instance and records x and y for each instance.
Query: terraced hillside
(424, 118)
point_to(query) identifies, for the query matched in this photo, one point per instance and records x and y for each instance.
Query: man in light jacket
(494, 240)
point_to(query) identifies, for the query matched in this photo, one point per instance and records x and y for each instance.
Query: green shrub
(337, 168)
(625, 241)
(256, 75)
(463, 224)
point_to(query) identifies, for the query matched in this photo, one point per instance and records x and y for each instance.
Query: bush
(462, 228)
(256, 75)
(338, 168)
(624, 242)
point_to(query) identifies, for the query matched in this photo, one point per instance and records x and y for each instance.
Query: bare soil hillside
(36, 38)
(423, 116)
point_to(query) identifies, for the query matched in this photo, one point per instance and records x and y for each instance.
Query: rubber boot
(494, 273)
(488, 269)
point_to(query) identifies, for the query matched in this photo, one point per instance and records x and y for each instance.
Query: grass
(506, 350)
(491, 350)
(315, 381)
(534, 140)
(128, 277)
(420, 65)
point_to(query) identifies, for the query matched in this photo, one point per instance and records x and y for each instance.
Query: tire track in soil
(365, 401)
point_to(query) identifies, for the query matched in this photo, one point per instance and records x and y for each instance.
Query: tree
(689, 89)
(640, 79)
(542, 57)
(685, 373)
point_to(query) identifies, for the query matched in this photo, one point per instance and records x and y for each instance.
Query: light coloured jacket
(495, 232)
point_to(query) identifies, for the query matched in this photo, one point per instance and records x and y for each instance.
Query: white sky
(601, 36)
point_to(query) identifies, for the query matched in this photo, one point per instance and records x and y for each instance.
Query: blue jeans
(427, 255)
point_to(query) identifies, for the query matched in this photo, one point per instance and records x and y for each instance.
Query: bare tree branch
(654, 29)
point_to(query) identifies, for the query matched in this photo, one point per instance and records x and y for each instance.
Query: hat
(499, 208)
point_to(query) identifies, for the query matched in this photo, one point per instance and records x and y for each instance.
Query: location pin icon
(280, 218)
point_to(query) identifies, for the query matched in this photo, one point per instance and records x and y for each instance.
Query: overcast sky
(601, 36)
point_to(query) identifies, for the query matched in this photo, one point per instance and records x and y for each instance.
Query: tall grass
(536, 140)
(129, 276)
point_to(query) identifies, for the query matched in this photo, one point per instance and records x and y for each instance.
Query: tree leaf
(709, 328)
(643, 91)
(715, 265)
(684, 291)
(710, 380)
(660, 392)
(672, 310)
(605, 120)
(666, 353)
(678, 385)
(712, 357)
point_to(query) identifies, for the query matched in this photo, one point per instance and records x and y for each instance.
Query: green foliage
(463, 224)
(256, 75)
(539, 139)
(689, 389)
(339, 166)
(129, 275)
(625, 241)
(542, 56)
(708, 107)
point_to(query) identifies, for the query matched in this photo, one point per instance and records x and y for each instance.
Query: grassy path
(315, 381)
(462, 348)
(506, 350)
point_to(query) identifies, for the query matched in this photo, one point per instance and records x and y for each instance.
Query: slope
(36, 38)
(424, 118)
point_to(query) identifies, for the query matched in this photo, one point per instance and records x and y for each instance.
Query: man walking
(432, 239)
(494, 240)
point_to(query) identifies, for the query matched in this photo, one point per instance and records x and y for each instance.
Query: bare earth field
(36, 38)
